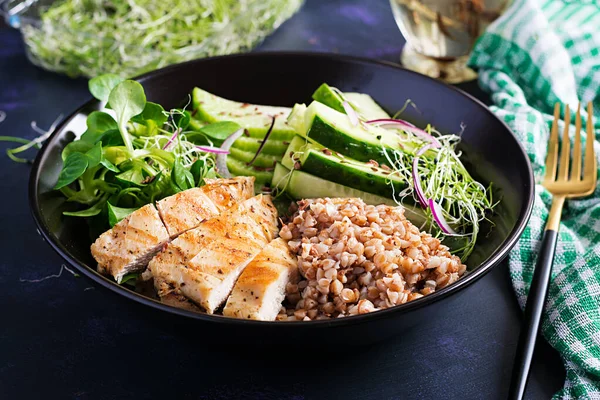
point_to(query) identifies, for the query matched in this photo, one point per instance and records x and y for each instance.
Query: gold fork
(562, 184)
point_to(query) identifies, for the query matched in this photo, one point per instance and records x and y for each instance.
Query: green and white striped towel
(540, 52)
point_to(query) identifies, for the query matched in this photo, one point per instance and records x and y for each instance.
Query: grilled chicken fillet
(203, 263)
(260, 289)
(131, 243)
(186, 210)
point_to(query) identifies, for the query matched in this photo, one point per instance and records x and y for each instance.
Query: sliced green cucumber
(334, 131)
(367, 178)
(255, 118)
(302, 185)
(245, 144)
(263, 160)
(320, 162)
(367, 107)
(273, 147)
(329, 96)
(239, 168)
(294, 150)
(362, 103)
(299, 185)
(296, 117)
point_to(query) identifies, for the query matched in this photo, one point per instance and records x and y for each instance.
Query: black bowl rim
(485, 267)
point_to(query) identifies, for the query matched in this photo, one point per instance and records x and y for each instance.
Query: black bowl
(491, 153)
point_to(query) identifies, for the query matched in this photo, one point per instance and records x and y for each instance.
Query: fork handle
(535, 303)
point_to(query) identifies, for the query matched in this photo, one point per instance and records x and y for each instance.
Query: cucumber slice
(273, 147)
(297, 145)
(367, 107)
(244, 144)
(255, 118)
(363, 103)
(345, 171)
(296, 117)
(334, 131)
(329, 96)
(367, 178)
(262, 161)
(239, 168)
(301, 185)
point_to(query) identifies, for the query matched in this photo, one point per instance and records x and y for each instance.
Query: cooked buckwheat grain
(357, 258)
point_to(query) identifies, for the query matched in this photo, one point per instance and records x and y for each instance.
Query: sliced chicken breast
(176, 255)
(227, 192)
(131, 243)
(186, 210)
(203, 263)
(260, 289)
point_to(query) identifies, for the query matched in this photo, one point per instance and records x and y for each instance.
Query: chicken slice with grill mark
(203, 263)
(260, 289)
(131, 243)
(188, 209)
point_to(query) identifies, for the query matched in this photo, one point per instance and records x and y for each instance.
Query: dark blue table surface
(67, 338)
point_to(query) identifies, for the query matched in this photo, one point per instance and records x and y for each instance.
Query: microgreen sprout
(93, 37)
(27, 144)
(464, 201)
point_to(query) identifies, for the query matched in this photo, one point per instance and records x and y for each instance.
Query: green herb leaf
(196, 124)
(181, 178)
(90, 212)
(197, 171)
(149, 121)
(159, 187)
(98, 123)
(116, 154)
(116, 214)
(127, 279)
(75, 165)
(200, 139)
(189, 178)
(133, 176)
(94, 155)
(160, 155)
(82, 196)
(220, 130)
(152, 112)
(112, 137)
(101, 86)
(127, 99)
(128, 197)
(148, 128)
(108, 165)
(210, 174)
(78, 146)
